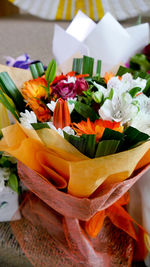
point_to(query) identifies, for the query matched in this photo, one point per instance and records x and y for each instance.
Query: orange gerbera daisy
(97, 127)
(34, 92)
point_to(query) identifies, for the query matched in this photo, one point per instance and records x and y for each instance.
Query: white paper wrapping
(107, 40)
(65, 45)
(9, 205)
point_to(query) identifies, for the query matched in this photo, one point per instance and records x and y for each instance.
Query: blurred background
(26, 26)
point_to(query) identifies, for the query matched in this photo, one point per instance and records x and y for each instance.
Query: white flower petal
(67, 129)
(51, 105)
(27, 118)
(142, 122)
(70, 80)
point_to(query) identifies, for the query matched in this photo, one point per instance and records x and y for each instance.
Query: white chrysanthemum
(142, 122)
(119, 109)
(52, 105)
(4, 176)
(66, 129)
(70, 102)
(27, 118)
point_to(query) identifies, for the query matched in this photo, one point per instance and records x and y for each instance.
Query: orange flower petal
(33, 91)
(108, 76)
(98, 127)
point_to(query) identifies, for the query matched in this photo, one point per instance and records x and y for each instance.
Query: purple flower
(21, 62)
(64, 89)
(146, 51)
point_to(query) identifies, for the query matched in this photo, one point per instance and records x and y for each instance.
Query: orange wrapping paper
(55, 158)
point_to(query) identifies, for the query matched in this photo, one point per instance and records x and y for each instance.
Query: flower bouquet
(81, 143)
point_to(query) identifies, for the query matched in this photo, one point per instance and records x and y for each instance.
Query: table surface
(18, 35)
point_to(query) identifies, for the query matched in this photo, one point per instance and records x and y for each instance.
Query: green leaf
(110, 134)
(88, 64)
(37, 69)
(8, 103)
(98, 69)
(86, 111)
(123, 70)
(90, 140)
(5, 162)
(139, 62)
(85, 143)
(38, 126)
(77, 142)
(13, 182)
(77, 65)
(146, 90)
(134, 91)
(107, 147)
(132, 137)
(51, 71)
(10, 89)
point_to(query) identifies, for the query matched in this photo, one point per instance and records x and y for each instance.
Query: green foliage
(38, 126)
(110, 143)
(86, 111)
(13, 182)
(37, 69)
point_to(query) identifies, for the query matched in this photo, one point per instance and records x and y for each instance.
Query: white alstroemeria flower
(70, 80)
(70, 101)
(66, 129)
(139, 82)
(119, 109)
(125, 84)
(4, 176)
(142, 122)
(143, 102)
(115, 84)
(27, 118)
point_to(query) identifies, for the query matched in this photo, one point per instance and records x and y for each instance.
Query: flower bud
(61, 116)
(97, 96)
